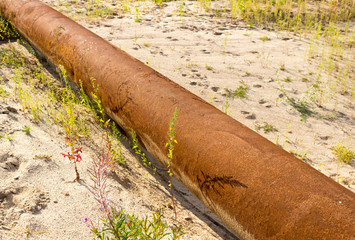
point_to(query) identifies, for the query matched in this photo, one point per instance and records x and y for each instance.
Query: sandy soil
(210, 57)
(38, 198)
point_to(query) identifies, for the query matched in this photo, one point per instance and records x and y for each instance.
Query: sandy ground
(209, 56)
(38, 198)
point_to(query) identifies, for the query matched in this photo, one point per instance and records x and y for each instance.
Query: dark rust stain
(217, 183)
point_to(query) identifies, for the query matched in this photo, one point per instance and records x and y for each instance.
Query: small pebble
(250, 116)
(11, 109)
(215, 89)
(324, 137)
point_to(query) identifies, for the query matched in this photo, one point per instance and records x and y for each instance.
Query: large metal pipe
(257, 189)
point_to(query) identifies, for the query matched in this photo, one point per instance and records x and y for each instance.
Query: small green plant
(208, 67)
(265, 38)
(211, 98)
(277, 143)
(191, 65)
(240, 92)
(343, 154)
(303, 157)
(226, 105)
(113, 149)
(267, 127)
(8, 137)
(84, 99)
(147, 44)
(26, 129)
(120, 225)
(171, 147)
(3, 92)
(99, 109)
(287, 79)
(159, 2)
(182, 8)
(225, 42)
(282, 67)
(137, 19)
(137, 149)
(45, 157)
(301, 106)
(135, 37)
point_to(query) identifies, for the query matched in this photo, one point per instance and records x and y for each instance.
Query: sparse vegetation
(344, 154)
(140, 153)
(137, 18)
(116, 224)
(45, 157)
(303, 157)
(26, 129)
(7, 32)
(120, 225)
(301, 106)
(226, 105)
(170, 145)
(240, 92)
(287, 79)
(66, 115)
(208, 67)
(8, 137)
(64, 103)
(265, 38)
(267, 127)
(282, 67)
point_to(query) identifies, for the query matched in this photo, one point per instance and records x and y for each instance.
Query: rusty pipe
(257, 189)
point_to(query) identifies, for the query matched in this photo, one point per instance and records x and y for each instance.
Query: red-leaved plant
(74, 155)
(103, 165)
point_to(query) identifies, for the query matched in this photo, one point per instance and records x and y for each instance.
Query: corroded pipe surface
(257, 189)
